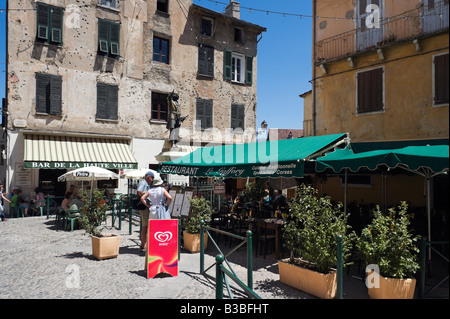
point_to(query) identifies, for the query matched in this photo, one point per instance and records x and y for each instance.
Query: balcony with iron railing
(423, 21)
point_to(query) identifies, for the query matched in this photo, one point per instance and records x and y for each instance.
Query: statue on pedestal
(175, 119)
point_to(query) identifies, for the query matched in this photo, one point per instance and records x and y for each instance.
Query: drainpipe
(314, 68)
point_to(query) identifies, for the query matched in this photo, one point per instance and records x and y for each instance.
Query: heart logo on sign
(163, 237)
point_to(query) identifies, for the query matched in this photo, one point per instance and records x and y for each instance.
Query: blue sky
(284, 56)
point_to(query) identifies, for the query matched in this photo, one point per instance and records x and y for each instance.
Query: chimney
(233, 10)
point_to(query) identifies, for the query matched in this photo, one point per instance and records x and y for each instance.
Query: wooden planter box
(320, 285)
(191, 242)
(105, 246)
(393, 288)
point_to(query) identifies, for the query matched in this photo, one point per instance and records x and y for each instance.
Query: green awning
(70, 152)
(284, 158)
(413, 158)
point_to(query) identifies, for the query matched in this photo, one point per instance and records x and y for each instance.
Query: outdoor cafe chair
(70, 216)
(264, 236)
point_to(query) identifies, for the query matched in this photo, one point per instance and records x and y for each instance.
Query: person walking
(143, 187)
(2, 207)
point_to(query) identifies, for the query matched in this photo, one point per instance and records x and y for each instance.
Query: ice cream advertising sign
(162, 255)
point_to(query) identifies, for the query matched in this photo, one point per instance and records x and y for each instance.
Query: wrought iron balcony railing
(423, 20)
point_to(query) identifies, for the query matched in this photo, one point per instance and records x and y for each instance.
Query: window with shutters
(159, 107)
(107, 101)
(160, 50)
(440, 80)
(48, 94)
(237, 116)
(370, 88)
(49, 24)
(237, 67)
(205, 60)
(114, 4)
(204, 114)
(108, 38)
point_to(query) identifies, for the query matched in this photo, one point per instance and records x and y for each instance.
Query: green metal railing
(222, 273)
(423, 245)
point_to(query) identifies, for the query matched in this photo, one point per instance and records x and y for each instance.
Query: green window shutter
(102, 100)
(227, 65)
(56, 17)
(248, 70)
(199, 114)
(241, 115)
(234, 116)
(113, 102)
(114, 29)
(103, 43)
(42, 21)
(42, 93)
(237, 116)
(55, 94)
(206, 60)
(208, 114)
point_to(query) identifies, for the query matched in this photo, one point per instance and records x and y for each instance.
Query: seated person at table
(17, 200)
(67, 201)
(279, 200)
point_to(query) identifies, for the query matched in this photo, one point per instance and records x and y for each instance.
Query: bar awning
(283, 158)
(71, 152)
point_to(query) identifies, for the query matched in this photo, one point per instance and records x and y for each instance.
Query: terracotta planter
(393, 288)
(320, 285)
(105, 246)
(191, 242)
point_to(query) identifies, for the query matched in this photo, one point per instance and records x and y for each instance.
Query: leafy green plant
(388, 243)
(93, 211)
(312, 228)
(255, 191)
(200, 210)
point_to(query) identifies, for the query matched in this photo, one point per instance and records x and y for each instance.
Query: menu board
(177, 205)
(186, 203)
(172, 193)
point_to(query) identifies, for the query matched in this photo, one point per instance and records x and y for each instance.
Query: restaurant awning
(412, 158)
(71, 152)
(283, 158)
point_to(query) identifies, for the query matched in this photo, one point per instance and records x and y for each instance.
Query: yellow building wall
(408, 93)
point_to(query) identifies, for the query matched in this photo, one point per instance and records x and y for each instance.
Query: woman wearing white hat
(156, 195)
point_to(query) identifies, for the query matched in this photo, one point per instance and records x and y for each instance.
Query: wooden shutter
(42, 93)
(113, 102)
(204, 113)
(114, 38)
(102, 100)
(441, 79)
(103, 43)
(57, 24)
(55, 94)
(42, 21)
(370, 91)
(206, 60)
(227, 65)
(237, 116)
(248, 70)
(208, 114)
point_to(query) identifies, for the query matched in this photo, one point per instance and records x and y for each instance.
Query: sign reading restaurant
(74, 165)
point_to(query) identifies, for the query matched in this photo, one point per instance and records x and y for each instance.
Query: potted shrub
(388, 245)
(310, 234)
(93, 213)
(200, 210)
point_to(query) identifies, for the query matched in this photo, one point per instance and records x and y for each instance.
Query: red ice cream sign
(162, 255)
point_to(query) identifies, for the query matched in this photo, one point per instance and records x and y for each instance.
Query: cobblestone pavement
(38, 259)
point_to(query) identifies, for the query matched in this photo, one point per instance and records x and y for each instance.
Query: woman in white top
(157, 194)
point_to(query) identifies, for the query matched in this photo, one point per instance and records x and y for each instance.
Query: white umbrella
(91, 173)
(139, 173)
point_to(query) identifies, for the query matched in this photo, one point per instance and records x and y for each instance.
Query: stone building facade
(97, 74)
